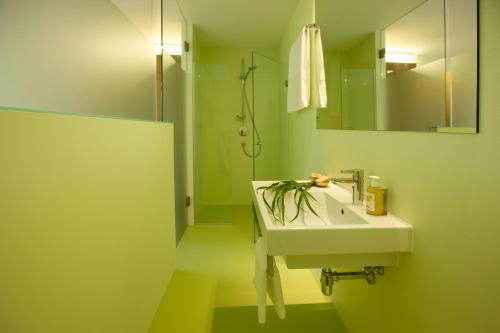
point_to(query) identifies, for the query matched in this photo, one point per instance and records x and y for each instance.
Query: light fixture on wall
(398, 61)
(157, 48)
(400, 57)
(173, 49)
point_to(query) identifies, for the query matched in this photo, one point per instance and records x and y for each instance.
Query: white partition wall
(87, 239)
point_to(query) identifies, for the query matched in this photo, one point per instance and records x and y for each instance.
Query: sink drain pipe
(329, 277)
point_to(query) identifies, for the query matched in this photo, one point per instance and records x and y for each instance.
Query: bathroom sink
(342, 235)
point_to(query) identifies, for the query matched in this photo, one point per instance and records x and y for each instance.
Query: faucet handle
(355, 172)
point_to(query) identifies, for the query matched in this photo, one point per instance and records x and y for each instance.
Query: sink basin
(342, 235)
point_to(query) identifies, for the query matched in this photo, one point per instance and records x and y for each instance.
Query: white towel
(274, 289)
(259, 279)
(319, 82)
(265, 284)
(299, 73)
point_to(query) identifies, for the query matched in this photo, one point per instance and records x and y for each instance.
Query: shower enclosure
(237, 130)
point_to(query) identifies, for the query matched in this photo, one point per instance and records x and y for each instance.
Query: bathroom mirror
(400, 65)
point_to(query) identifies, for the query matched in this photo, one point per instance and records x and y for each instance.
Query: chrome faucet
(357, 181)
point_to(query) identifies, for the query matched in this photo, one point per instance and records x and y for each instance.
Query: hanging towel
(274, 288)
(267, 283)
(299, 73)
(259, 279)
(319, 82)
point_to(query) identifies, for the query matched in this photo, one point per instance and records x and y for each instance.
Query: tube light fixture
(173, 49)
(400, 57)
(170, 48)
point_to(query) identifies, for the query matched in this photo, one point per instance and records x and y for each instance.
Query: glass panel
(85, 57)
(266, 96)
(172, 105)
(234, 89)
(222, 170)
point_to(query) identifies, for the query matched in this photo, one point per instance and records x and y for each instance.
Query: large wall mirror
(400, 65)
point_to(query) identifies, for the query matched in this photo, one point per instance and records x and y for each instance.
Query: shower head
(245, 76)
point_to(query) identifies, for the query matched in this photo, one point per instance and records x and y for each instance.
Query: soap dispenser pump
(376, 197)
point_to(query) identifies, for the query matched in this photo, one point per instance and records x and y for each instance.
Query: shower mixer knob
(243, 131)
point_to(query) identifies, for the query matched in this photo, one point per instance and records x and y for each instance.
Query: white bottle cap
(374, 181)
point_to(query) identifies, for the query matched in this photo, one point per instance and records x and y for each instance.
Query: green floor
(212, 290)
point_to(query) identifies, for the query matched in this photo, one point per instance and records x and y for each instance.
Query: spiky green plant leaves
(301, 197)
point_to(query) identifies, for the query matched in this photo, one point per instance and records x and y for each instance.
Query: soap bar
(322, 181)
(315, 176)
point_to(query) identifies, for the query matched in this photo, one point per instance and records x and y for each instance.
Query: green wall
(87, 238)
(298, 138)
(445, 186)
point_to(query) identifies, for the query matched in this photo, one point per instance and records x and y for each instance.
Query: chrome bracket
(329, 277)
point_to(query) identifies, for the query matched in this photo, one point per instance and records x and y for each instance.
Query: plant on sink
(301, 197)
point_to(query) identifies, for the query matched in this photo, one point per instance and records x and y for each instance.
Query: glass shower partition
(267, 88)
(229, 153)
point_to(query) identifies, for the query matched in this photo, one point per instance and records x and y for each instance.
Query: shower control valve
(243, 131)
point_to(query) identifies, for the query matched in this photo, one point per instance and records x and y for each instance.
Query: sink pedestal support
(329, 277)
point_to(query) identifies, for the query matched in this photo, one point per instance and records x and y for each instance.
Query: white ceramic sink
(342, 235)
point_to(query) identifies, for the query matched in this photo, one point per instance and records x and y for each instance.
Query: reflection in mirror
(86, 57)
(400, 65)
(413, 80)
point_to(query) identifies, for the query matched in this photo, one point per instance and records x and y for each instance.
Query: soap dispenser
(376, 197)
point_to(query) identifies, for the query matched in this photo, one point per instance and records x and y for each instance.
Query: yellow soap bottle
(376, 197)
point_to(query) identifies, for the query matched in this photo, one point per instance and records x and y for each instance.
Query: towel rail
(312, 26)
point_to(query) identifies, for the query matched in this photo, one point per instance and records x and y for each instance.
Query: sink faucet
(357, 181)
